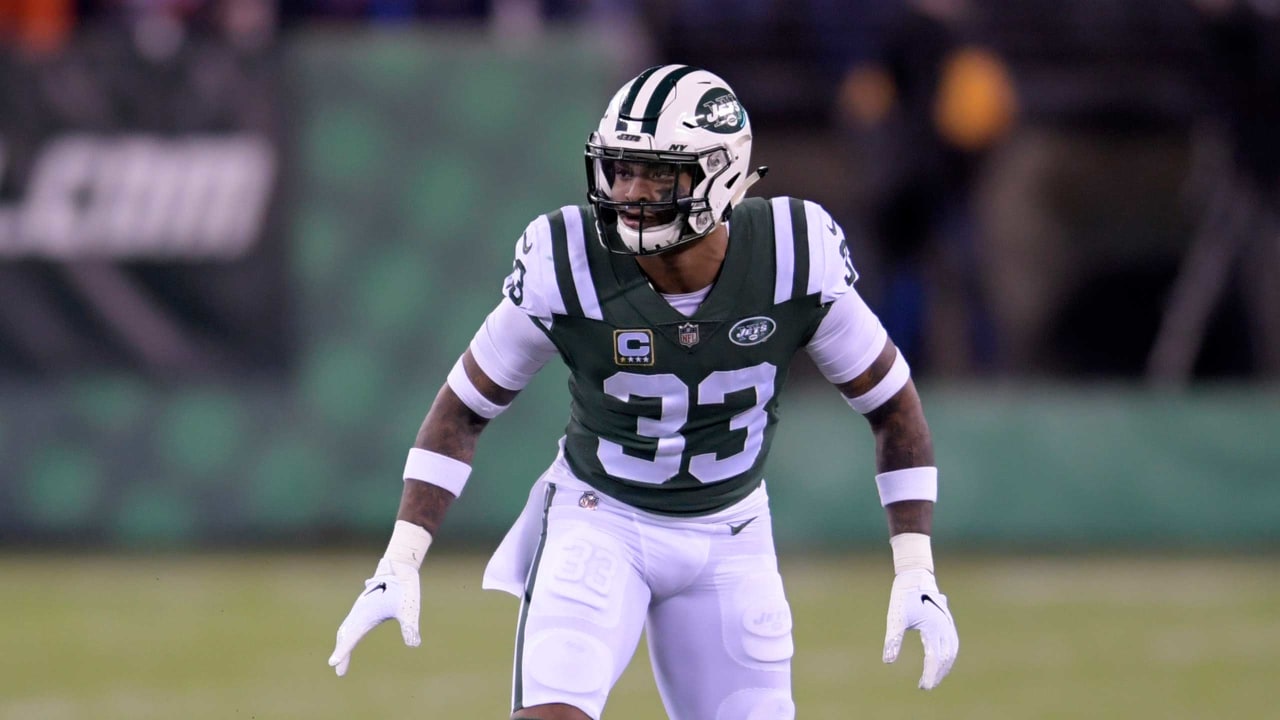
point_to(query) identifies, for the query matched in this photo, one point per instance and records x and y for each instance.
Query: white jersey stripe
(577, 242)
(785, 247)
(815, 221)
(542, 241)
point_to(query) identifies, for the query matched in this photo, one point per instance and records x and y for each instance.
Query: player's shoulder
(804, 214)
(791, 218)
(551, 227)
(533, 283)
(809, 243)
(752, 208)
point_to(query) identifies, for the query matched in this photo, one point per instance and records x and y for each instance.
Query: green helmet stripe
(624, 112)
(659, 97)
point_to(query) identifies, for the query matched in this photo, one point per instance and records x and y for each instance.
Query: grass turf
(247, 636)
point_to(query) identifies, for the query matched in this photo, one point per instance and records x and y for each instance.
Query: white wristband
(470, 395)
(917, 483)
(911, 551)
(436, 469)
(889, 385)
(408, 544)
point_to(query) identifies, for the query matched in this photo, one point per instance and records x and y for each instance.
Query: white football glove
(392, 592)
(916, 604)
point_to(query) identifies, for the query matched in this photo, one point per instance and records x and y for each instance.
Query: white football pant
(596, 572)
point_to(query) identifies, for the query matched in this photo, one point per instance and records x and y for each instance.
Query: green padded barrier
(417, 160)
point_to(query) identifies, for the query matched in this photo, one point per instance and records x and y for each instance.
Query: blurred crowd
(158, 27)
(1087, 188)
(44, 25)
(1040, 188)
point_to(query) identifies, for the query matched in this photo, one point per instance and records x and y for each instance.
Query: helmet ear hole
(716, 161)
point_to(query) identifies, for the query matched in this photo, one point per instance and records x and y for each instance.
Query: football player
(677, 306)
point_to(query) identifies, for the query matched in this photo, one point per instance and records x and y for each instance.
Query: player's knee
(757, 704)
(570, 662)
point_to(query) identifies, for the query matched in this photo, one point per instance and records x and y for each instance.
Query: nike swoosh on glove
(916, 604)
(392, 592)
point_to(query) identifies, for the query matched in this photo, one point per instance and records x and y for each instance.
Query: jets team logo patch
(752, 330)
(720, 112)
(633, 347)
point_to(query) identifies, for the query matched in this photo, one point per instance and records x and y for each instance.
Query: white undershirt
(511, 350)
(687, 303)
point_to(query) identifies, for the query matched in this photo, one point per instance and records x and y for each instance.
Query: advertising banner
(139, 226)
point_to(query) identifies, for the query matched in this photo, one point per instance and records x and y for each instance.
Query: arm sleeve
(510, 348)
(848, 339)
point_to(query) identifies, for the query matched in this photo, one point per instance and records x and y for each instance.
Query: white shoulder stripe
(547, 266)
(577, 242)
(816, 222)
(784, 247)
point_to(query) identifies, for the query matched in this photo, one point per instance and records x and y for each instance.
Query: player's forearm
(910, 516)
(903, 441)
(902, 435)
(450, 429)
(424, 504)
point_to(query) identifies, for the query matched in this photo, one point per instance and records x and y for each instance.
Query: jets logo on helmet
(669, 160)
(722, 113)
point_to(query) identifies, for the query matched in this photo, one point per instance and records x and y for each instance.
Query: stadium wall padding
(418, 159)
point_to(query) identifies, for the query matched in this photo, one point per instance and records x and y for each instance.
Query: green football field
(247, 636)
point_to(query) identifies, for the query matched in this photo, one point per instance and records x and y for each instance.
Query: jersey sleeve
(829, 246)
(849, 338)
(531, 286)
(811, 253)
(509, 348)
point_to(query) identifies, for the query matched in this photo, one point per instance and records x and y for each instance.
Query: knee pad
(569, 661)
(757, 704)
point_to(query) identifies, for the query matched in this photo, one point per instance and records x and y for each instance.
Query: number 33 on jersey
(667, 406)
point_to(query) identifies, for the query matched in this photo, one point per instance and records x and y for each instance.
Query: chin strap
(752, 179)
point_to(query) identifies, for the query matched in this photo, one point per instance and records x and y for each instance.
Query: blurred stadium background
(242, 241)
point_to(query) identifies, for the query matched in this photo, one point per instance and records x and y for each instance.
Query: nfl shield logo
(688, 334)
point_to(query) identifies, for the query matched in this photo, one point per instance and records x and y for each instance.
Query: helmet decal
(720, 112)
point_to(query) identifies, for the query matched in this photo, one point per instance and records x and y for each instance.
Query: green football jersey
(669, 413)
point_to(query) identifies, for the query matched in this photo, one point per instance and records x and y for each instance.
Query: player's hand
(392, 592)
(916, 604)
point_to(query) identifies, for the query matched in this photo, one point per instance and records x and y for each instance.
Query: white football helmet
(672, 123)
